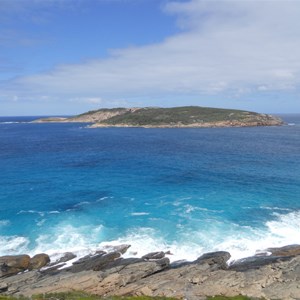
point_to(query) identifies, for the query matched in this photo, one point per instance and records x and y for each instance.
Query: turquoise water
(65, 187)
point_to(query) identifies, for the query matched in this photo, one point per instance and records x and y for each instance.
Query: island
(157, 117)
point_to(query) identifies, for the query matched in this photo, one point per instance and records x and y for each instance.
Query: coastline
(221, 124)
(274, 273)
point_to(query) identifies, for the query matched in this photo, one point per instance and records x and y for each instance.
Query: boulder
(216, 260)
(154, 255)
(38, 261)
(11, 265)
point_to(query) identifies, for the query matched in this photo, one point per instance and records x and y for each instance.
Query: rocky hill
(186, 116)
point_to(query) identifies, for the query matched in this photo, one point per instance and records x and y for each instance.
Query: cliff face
(186, 116)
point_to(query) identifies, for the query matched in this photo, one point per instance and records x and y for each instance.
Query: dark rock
(66, 257)
(53, 269)
(11, 265)
(106, 260)
(96, 262)
(180, 263)
(38, 261)
(256, 262)
(217, 260)
(100, 252)
(154, 255)
(121, 263)
(290, 250)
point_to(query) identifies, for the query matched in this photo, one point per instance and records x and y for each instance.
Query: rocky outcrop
(269, 277)
(11, 265)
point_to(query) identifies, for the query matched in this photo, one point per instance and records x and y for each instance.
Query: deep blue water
(65, 187)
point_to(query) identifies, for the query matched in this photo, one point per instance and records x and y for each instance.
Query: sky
(64, 57)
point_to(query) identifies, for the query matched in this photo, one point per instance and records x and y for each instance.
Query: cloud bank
(232, 48)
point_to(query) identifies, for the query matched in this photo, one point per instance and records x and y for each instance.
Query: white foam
(240, 241)
(67, 238)
(13, 245)
(284, 230)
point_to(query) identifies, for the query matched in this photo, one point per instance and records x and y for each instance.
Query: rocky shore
(274, 274)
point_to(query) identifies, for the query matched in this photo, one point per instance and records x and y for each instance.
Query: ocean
(65, 187)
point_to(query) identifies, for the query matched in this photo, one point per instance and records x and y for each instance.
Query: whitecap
(102, 198)
(83, 203)
(275, 208)
(4, 223)
(140, 214)
(31, 212)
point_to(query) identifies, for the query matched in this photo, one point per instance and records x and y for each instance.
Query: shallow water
(65, 187)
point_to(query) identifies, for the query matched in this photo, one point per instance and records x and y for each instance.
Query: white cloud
(89, 100)
(238, 47)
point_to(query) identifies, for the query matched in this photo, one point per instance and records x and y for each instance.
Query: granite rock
(10, 265)
(38, 261)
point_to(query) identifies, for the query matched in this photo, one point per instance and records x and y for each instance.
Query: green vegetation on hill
(185, 115)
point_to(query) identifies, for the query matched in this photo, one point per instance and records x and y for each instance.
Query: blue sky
(62, 57)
